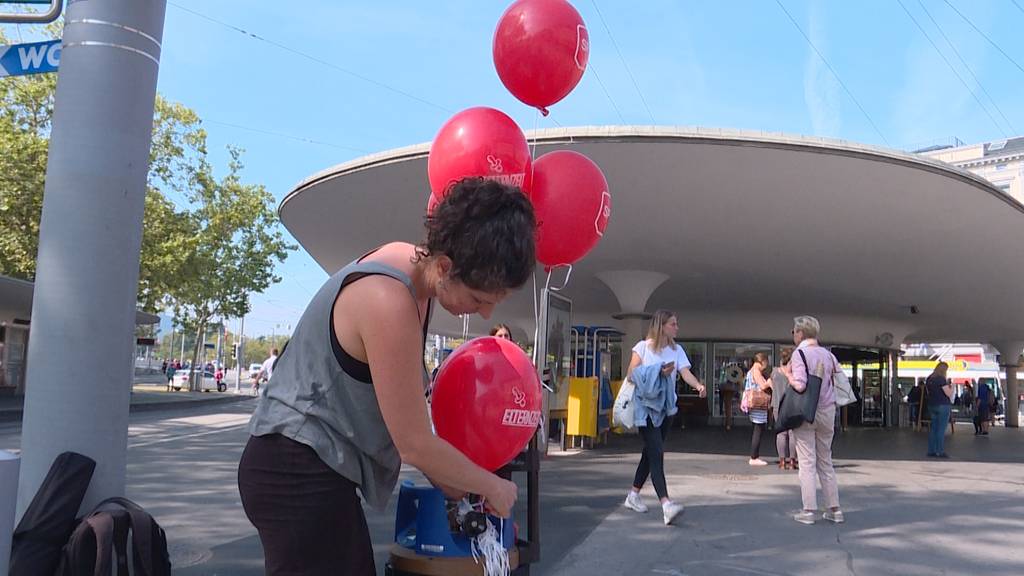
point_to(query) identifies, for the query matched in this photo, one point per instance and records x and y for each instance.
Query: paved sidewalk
(145, 397)
(906, 514)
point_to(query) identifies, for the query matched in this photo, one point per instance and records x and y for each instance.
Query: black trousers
(652, 462)
(309, 518)
(755, 441)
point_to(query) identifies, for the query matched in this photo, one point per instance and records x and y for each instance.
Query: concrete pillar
(635, 328)
(632, 288)
(83, 310)
(1009, 360)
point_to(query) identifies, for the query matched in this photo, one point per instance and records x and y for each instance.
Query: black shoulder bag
(795, 408)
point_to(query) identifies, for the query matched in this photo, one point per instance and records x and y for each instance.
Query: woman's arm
(386, 322)
(692, 380)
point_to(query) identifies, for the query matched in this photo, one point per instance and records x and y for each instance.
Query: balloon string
(536, 319)
(465, 326)
(565, 282)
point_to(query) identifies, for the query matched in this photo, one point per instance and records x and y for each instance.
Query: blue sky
(736, 64)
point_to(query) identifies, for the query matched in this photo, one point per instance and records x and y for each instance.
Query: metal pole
(216, 357)
(87, 274)
(238, 359)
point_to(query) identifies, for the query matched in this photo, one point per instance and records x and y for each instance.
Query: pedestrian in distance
(169, 373)
(265, 372)
(939, 394)
(785, 441)
(983, 409)
(757, 388)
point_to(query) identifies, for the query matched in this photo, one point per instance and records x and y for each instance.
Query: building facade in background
(1001, 162)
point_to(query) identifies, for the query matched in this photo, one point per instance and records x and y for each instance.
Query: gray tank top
(312, 400)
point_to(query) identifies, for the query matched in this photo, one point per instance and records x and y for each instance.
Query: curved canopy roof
(749, 229)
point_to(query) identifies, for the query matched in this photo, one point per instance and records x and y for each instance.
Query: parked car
(181, 380)
(254, 369)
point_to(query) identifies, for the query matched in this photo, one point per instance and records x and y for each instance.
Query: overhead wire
(312, 58)
(967, 66)
(606, 93)
(985, 36)
(952, 68)
(621, 58)
(287, 136)
(833, 71)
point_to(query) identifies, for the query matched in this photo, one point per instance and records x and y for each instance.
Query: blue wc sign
(32, 58)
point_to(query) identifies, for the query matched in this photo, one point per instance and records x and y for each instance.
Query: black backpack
(100, 541)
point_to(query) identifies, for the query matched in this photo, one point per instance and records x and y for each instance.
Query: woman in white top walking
(659, 348)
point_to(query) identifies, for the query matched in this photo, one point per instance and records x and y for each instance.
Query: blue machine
(421, 524)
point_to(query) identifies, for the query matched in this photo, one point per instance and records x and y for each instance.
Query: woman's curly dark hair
(487, 229)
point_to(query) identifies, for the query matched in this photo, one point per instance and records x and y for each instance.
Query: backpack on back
(101, 541)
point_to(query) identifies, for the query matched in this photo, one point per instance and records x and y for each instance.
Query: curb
(7, 416)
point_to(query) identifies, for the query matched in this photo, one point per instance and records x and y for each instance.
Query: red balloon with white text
(486, 401)
(480, 142)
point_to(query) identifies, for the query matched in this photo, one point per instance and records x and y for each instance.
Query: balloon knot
(543, 111)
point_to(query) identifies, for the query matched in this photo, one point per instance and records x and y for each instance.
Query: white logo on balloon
(604, 212)
(582, 46)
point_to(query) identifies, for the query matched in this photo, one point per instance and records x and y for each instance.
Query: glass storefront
(723, 367)
(731, 360)
(697, 352)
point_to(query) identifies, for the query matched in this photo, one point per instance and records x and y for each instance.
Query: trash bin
(10, 463)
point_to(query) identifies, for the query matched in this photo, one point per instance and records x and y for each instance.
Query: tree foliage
(207, 243)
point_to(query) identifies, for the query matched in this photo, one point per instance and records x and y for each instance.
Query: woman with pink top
(814, 440)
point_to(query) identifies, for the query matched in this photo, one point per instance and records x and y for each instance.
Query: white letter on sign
(53, 56)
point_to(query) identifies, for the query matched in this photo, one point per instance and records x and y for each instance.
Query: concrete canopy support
(83, 312)
(1009, 359)
(632, 288)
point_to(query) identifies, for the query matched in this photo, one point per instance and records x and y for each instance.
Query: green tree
(200, 256)
(179, 147)
(233, 253)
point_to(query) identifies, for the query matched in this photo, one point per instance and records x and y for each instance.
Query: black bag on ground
(50, 517)
(795, 408)
(101, 541)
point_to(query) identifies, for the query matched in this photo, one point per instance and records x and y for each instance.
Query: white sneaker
(634, 502)
(804, 517)
(757, 462)
(671, 510)
(834, 517)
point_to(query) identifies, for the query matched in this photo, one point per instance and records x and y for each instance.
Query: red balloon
(479, 142)
(572, 205)
(541, 48)
(486, 401)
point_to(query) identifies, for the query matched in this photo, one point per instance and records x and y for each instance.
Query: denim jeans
(937, 428)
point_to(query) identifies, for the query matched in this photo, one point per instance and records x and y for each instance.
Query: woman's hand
(703, 392)
(501, 497)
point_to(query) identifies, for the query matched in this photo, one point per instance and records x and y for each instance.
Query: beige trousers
(814, 448)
